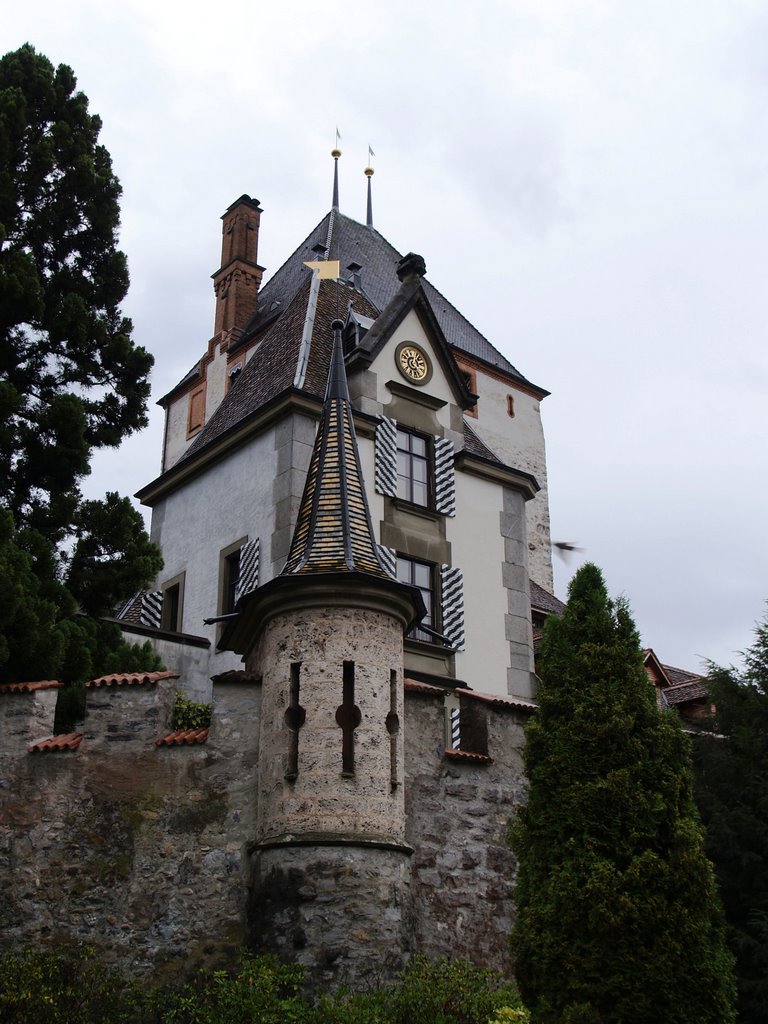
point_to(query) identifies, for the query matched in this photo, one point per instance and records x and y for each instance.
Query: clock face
(413, 363)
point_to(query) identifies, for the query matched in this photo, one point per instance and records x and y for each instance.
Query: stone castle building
(353, 515)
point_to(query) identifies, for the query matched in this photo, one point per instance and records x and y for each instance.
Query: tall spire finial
(369, 174)
(336, 153)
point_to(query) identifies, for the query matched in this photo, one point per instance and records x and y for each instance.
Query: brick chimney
(237, 282)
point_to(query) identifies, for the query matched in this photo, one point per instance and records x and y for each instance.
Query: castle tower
(330, 868)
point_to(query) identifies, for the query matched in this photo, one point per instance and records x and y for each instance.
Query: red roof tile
(498, 701)
(131, 678)
(183, 736)
(466, 755)
(414, 686)
(43, 684)
(65, 741)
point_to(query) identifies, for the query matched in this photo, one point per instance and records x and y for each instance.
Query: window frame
(430, 594)
(228, 587)
(173, 599)
(427, 459)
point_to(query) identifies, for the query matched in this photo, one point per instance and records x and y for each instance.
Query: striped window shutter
(455, 728)
(445, 477)
(386, 457)
(388, 558)
(152, 609)
(452, 605)
(248, 579)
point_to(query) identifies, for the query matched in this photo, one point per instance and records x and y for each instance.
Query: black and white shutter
(445, 477)
(388, 558)
(452, 605)
(152, 609)
(386, 457)
(248, 579)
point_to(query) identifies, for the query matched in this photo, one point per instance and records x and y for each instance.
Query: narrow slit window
(294, 719)
(348, 718)
(393, 728)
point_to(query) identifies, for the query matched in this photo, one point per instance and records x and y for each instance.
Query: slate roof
(348, 241)
(273, 368)
(474, 446)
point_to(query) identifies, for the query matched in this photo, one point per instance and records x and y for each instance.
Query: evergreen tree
(731, 769)
(618, 918)
(71, 379)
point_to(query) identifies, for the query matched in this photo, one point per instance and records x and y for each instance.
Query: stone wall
(457, 810)
(146, 852)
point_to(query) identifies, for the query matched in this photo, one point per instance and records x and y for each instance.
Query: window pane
(418, 445)
(420, 494)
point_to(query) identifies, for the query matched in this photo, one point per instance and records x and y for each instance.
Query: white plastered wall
(231, 500)
(519, 442)
(477, 548)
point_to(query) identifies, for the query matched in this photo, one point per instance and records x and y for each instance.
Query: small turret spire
(336, 153)
(369, 174)
(334, 532)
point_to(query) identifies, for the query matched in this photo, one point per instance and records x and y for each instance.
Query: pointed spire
(369, 174)
(333, 530)
(336, 153)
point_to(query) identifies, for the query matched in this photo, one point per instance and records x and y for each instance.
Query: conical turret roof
(333, 530)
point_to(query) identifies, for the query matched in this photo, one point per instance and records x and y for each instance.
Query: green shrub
(66, 985)
(190, 714)
(69, 985)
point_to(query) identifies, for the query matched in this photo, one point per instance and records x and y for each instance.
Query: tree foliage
(731, 767)
(71, 379)
(618, 917)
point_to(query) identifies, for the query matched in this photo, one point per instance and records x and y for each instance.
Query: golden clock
(413, 363)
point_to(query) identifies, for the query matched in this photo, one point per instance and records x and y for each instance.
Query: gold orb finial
(335, 153)
(368, 172)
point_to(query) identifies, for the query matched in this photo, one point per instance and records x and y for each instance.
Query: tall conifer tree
(71, 379)
(618, 917)
(731, 768)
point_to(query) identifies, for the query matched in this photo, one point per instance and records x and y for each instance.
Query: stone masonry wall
(146, 852)
(457, 812)
(130, 847)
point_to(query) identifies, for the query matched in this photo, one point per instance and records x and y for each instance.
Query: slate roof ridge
(379, 260)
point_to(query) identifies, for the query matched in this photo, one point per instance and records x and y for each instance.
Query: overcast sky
(587, 182)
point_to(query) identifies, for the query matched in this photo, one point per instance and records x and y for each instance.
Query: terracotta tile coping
(64, 741)
(466, 755)
(43, 684)
(130, 679)
(496, 700)
(182, 737)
